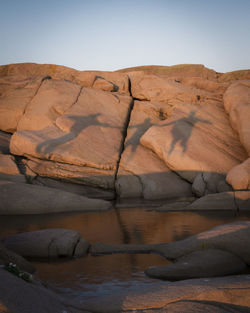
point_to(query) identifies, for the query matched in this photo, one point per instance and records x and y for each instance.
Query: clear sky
(109, 35)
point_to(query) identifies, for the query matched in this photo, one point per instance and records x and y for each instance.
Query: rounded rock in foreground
(48, 243)
(201, 263)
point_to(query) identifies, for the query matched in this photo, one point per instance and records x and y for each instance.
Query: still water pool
(91, 277)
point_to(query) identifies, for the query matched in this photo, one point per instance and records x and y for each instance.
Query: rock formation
(146, 132)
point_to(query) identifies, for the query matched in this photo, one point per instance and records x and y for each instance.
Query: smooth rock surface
(237, 105)
(198, 264)
(239, 176)
(229, 200)
(141, 173)
(48, 243)
(18, 198)
(196, 139)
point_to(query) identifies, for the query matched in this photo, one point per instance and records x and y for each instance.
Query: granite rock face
(146, 132)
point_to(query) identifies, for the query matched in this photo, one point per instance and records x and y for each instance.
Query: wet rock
(141, 173)
(216, 201)
(233, 238)
(18, 198)
(9, 169)
(197, 264)
(196, 306)
(48, 243)
(239, 176)
(178, 139)
(230, 290)
(231, 200)
(237, 105)
(7, 256)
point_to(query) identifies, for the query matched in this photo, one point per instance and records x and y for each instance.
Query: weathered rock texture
(150, 132)
(48, 243)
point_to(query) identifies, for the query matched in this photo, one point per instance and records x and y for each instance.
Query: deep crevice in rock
(124, 136)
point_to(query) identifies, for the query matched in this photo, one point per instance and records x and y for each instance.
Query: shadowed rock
(197, 264)
(18, 198)
(48, 243)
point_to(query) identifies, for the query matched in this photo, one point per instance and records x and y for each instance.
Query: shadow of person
(76, 124)
(134, 140)
(182, 130)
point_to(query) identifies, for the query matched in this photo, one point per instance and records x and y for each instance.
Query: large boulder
(48, 243)
(196, 139)
(233, 238)
(237, 105)
(229, 200)
(87, 134)
(141, 173)
(200, 263)
(239, 176)
(19, 198)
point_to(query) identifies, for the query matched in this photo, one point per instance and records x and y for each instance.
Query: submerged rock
(48, 243)
(197, 264)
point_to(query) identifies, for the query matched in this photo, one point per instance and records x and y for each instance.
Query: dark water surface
(94, 276)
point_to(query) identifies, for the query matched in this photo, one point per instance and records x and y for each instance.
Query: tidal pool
(91, 277)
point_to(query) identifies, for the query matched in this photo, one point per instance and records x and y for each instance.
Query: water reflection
(95, 276)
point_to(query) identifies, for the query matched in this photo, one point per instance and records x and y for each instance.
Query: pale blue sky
(109, 35)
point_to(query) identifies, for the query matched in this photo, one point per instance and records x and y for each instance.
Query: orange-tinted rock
(141, 173)
(239, 176)
(84, 78)
(13, 102)
(53, 98)
(237, 105)
(196, 139)
(9, 169)
(155, 88)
